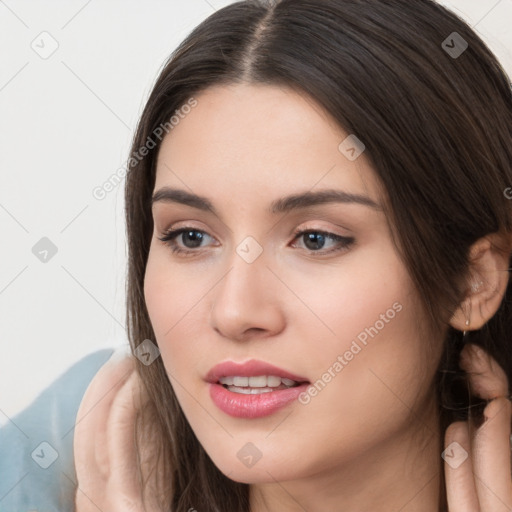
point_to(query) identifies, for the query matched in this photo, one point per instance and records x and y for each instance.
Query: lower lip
(241, 405)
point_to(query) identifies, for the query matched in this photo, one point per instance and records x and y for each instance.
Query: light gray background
(66, 123)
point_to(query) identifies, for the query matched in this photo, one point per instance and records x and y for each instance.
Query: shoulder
(36, 446)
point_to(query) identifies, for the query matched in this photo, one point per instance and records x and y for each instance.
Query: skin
(374, 425)
(107, 467)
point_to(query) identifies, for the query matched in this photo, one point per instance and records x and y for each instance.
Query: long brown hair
(436, 125)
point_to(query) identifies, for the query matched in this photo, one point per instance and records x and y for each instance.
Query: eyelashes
(342, 242)
(313, 236)
(170, 236)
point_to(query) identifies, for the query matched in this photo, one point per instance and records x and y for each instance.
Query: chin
(249, 476)
(259, 473)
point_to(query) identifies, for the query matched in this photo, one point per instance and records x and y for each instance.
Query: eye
(194, 236)
(314, 240)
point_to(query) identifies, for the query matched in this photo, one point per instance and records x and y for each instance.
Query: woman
(318, 225)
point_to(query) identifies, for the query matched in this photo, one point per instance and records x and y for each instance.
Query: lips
(251, 406)
(251, 368)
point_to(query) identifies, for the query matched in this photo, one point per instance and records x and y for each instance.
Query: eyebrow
(281, 205)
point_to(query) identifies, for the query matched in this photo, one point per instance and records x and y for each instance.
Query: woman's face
(340, 313)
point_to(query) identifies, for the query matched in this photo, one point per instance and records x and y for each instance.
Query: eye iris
(196, 239)
(314, 237)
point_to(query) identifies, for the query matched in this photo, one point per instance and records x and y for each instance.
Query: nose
(246, 301)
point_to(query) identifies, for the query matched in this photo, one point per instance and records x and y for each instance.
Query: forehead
(262, 141)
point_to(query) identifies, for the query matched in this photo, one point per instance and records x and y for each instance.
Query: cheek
(370, 380)
(368, 351)
(156, 293)
(161, 294)
(169, 293)
(175, 301)
(357, 300)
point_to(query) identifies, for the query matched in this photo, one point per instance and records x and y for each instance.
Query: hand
(106, 462)
(483, 482)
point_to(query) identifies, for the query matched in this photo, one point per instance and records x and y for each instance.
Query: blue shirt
(37, 471)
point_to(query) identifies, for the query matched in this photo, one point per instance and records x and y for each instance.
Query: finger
(121, 437)
(89, 433)
(132, 463)
(125, 476)
(458, 468)
(491, 442)
(487, 378)
(92, 416)
(491, 457)
(136, 453)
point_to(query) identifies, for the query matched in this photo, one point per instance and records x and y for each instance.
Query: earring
(474, 288)
(467, 322)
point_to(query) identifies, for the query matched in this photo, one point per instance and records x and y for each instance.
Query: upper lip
(250, 368)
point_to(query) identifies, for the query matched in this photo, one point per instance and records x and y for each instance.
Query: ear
(489, 270)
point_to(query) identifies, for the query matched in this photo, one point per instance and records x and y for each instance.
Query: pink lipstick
(253, 389)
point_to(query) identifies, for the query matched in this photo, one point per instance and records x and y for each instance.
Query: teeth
(273, 381)
(260, 381)
(249, 391)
